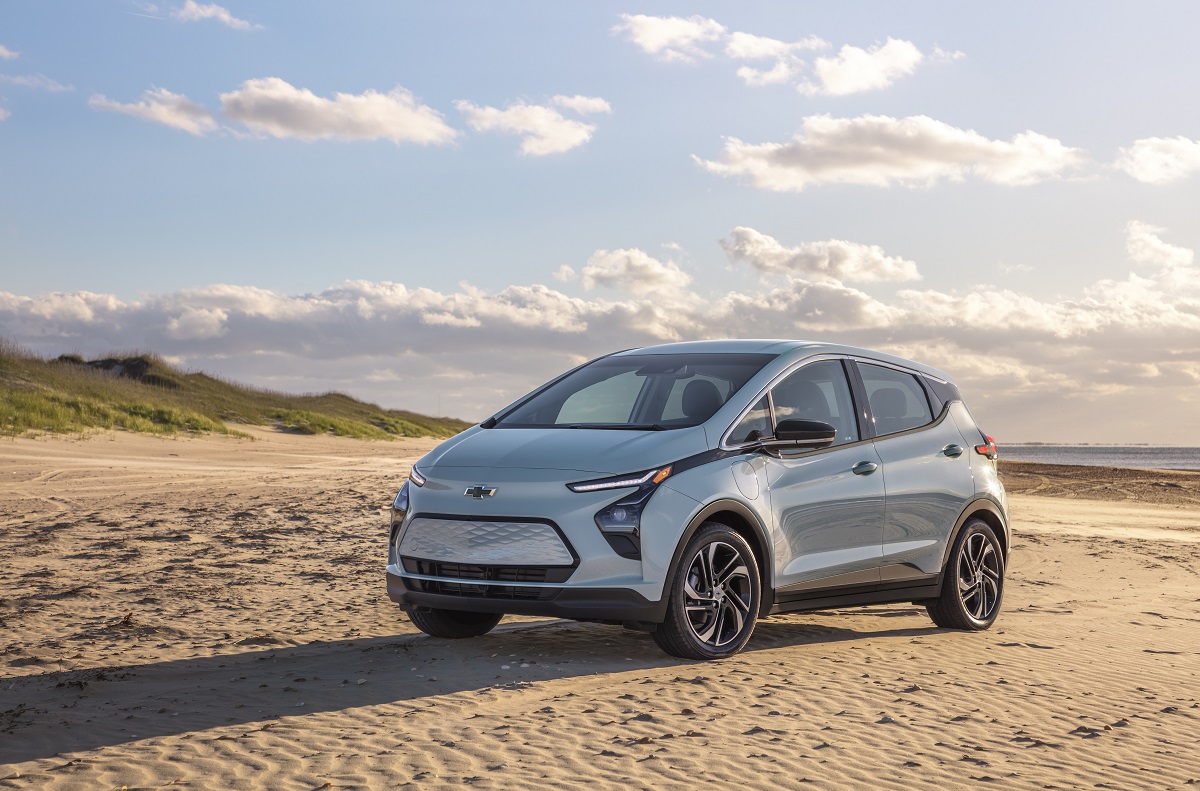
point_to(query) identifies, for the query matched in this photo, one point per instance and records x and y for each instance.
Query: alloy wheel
(717, 594)
(979, 576)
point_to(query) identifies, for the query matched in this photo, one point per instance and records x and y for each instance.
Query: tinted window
(818, 391)
(897, 399)
(639, 391)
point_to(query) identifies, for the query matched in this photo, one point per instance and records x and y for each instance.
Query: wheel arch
(742, 520)
(988, 511)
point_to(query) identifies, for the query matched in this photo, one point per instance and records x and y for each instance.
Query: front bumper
(609, 605)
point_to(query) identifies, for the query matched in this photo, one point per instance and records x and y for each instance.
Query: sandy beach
(209, 613)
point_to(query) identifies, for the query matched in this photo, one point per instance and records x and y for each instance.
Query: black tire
(714, 596)
(453, 624)
(972, 582)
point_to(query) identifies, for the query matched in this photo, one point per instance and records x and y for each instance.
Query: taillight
(989, 449)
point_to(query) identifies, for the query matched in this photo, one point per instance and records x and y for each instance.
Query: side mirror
(809, 433)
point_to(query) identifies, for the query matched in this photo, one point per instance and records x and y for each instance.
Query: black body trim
(609, 605)
(851, 596)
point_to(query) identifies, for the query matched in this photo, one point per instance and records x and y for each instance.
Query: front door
(827, 504)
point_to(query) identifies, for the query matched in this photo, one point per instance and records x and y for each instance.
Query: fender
(981, 502)
(766, 574)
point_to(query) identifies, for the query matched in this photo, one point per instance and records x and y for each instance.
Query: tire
(972, 582)
(714, 596)
(453, 624)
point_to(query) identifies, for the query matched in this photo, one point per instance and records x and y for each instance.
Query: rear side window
(897, 400)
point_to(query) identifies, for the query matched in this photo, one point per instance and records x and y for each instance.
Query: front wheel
(972, 582)
(714, 597)
(453, 624)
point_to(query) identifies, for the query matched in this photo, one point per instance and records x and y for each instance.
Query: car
(689, 489)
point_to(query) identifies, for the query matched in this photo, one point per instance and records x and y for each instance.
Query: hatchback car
(689, 489)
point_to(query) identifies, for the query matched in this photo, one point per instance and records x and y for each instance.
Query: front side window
(648, 392)
(818, 391)
(897, 400)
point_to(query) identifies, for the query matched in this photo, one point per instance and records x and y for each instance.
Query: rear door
(926, 472)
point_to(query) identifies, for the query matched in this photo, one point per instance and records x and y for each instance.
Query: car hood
(604, 452)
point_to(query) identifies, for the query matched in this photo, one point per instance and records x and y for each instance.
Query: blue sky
(440, 205)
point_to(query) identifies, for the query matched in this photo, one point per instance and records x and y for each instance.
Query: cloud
(832, 260)
(4, 114)
(747, 46)
(852, 70)
(162, 107)
(1160, 160)
(196, 12)
(671, 38)
(634, 272)
(881, 151)
(584, 105)
(37, 82)
(1031, 368)
(274, 107)
(856, 70)
(8, 54)
(543, 130)
(1145, 247)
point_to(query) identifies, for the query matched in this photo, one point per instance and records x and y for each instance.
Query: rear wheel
(714, 597)
(973, 581)
(453, 624)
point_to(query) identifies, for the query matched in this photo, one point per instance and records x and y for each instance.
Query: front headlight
(621, 522)
(400, 504)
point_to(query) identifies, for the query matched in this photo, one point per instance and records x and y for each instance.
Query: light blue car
(689, 489)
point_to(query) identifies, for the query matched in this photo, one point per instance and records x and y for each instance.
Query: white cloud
(8, 54)
(543, 130)
(671, 38)
(196, 12)
(852, 70)
(880, 151)
(4, 114)
(274, 107)
(783, 71)
(856, 70)
(634, 272)
(195, 324)
(1145, 247)
(37, 82)
(1031, 368)
(747, 46)
(584, 105)
(1160, 160)
(819, 261)
(162, 107)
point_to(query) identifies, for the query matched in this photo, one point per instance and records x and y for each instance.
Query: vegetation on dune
(141, 392)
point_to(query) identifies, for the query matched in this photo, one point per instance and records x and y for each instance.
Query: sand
(210, 613)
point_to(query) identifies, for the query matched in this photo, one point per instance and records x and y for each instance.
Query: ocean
(1136, 456)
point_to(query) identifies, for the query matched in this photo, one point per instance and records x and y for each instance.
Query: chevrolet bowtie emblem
(479, 492)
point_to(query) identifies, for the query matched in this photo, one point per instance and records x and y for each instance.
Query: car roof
(794, 349)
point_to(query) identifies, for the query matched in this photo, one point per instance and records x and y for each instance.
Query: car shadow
(78, 710)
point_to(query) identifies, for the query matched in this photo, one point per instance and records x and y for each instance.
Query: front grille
(485, 542)
(459, 571)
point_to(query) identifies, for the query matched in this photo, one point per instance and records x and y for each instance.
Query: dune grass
(141, 392)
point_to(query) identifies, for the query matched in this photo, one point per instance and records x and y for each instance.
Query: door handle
(952, 450)
(864, 468)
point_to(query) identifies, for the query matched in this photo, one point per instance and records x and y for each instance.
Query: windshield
(648, 392)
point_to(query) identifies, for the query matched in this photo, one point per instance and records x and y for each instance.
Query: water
(1136, 456)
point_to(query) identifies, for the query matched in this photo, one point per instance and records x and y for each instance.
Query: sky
(438, 206)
